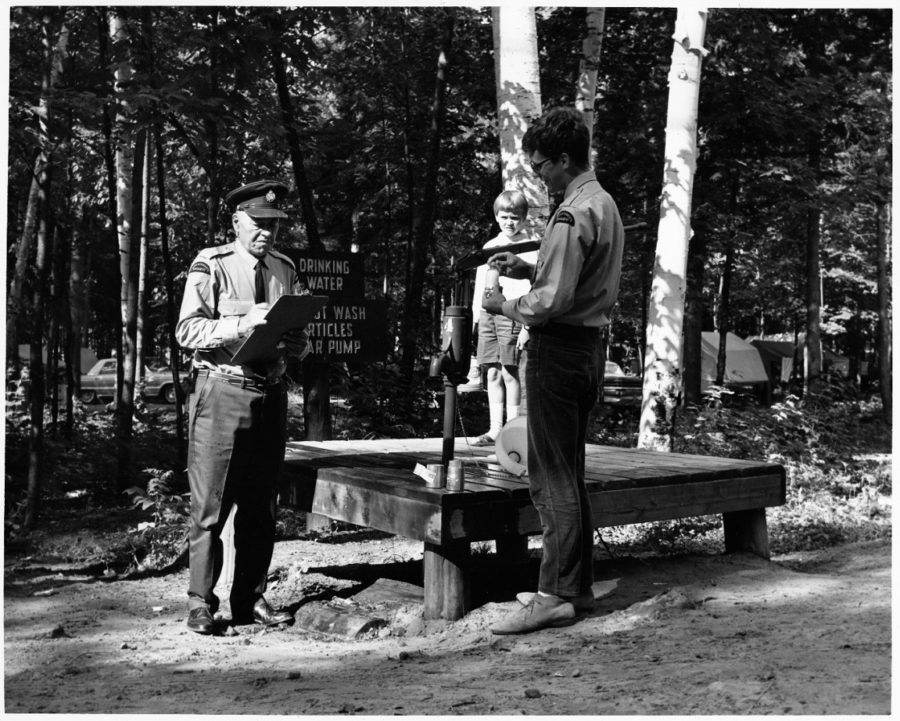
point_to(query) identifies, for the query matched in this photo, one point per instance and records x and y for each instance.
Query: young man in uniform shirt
(574, 287)
(238, 413)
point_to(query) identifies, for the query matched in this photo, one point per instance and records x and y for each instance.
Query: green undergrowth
(836, 450)
(835, 447)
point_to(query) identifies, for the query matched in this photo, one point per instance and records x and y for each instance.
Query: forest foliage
(361, 82)
(794, 130)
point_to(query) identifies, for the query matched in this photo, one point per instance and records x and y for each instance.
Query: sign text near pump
(351, 331)
(337, 275)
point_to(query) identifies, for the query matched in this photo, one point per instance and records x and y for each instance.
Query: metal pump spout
(453, 364)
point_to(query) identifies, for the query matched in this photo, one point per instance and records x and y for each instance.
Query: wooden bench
(371, 483)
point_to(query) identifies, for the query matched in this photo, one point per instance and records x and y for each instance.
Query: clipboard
(475, 258)
(287, 313)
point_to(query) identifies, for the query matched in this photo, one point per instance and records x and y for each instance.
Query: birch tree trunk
(124, 157)
(516, 70)
(25, 244)
(140, 340)
(586, 89)
(814, 277)
(662, 363)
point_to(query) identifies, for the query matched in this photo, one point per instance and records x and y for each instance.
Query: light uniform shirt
(512, 287)
(220, 290)
(576, 278)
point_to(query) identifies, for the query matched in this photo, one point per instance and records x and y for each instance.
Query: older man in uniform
(238, 411)
(574, 286)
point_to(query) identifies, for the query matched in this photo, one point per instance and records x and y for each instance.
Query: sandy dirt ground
(702, 634)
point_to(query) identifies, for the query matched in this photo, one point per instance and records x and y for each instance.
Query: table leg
(446, 580)
(746, 531)
(317, 522)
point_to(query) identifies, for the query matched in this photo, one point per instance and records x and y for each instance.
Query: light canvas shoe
(541, 612)
(583, 602)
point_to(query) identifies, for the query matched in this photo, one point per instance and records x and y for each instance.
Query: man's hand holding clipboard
(288, 313)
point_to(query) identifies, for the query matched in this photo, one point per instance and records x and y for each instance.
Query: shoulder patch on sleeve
(564, 216)
(200, 267)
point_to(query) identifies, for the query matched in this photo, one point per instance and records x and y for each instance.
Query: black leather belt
(258, 384)
(567, 332)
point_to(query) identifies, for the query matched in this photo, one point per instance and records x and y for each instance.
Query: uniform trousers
(236, 450)
(562, 377)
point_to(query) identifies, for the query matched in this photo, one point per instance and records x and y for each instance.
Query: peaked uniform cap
(260, 199)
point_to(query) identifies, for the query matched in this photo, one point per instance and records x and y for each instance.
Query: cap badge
(270, 196)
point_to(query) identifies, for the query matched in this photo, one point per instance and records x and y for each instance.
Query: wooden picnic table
(371, 483)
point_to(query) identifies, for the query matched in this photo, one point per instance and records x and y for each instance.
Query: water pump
(452, 363)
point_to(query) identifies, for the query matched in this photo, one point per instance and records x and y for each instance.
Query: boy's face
(510, 222)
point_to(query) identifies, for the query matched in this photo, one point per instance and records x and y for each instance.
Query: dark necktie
(260, 282)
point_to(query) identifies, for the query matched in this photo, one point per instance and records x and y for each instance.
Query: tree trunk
(57, 265)
(126, 174)
(109, 161)
(428, 211)
(883, 220)
(307, 203)
(24, 246)
(78, 308)
(813, 277)
(140, 339)
(586, 89)
(724, 320)
(662, 364)
(316, 399)
(693, 317)
(36, 364)
(171, 310)
(212, 135)
(516, 70)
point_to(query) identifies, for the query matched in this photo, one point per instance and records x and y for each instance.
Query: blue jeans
(236, 450)
(562, 377)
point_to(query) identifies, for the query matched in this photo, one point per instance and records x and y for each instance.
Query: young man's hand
(511, 265)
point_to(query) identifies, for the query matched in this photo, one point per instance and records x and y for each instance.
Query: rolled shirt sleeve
(198, 327)
(552, 291)
(576, 278)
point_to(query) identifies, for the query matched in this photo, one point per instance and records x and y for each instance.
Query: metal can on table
(456, 477)
(437, 474)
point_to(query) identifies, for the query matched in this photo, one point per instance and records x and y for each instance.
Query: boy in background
(501, 340)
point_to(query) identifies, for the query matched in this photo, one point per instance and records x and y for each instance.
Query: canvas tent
(778, 357)
(743, 365)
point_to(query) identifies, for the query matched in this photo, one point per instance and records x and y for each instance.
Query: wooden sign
(351, 331)
(340, 276)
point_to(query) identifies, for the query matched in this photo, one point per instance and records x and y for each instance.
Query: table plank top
(387, 464)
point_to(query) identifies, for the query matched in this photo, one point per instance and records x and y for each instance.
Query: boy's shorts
(497, 337)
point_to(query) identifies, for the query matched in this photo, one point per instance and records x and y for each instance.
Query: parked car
(100, 382)
(620, 389)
